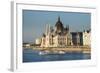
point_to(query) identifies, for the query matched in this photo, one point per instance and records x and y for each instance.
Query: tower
(59, 26)
(47, 29)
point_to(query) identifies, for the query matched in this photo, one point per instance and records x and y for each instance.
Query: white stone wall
(60, 41)
(86, 39)
(55, 41)
(38, 41)
(63, 40)
(48, 42)
(43, 42)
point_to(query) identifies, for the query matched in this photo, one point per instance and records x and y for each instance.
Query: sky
(34, 22)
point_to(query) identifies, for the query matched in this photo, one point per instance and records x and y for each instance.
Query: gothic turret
(59, 26)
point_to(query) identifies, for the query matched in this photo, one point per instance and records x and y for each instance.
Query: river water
(30, 55)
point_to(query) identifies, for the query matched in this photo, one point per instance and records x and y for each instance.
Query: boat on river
(51, 52)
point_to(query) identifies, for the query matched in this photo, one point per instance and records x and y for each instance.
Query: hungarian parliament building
(60, 36)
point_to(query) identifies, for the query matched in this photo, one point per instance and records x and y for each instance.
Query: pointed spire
(47, 29)
(58, 18)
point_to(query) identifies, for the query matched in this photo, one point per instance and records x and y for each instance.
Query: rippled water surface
(30, 55)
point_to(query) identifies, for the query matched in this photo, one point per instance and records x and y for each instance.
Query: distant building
(77, 38)
(38, 41)
(86, 38)
(59, 36)
(26, 44)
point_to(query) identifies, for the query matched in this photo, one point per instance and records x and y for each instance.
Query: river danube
(30, 55)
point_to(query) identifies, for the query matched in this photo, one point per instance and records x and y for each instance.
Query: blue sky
(34, 22)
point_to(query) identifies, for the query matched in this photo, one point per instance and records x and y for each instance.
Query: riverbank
(70, 49)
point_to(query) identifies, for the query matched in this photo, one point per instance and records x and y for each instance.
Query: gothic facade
(59, 36)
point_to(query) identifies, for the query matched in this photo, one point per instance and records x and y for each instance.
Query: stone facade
(59, 36)
(86, 38)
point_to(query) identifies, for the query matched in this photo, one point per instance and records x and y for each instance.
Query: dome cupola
(59, 25)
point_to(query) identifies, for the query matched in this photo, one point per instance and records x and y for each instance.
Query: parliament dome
(59, 25)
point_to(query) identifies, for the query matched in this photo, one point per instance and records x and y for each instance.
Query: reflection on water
(30, 55)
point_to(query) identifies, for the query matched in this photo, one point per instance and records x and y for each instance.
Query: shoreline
(69, 49)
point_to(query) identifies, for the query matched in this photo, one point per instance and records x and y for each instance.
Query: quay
(69, 49)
